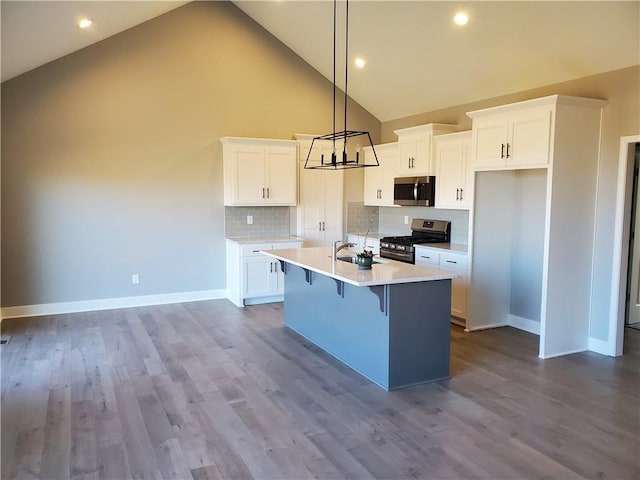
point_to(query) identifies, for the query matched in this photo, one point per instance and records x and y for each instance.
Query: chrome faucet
(336, 248)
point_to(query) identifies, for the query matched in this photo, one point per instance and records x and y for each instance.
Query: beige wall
(111, 159)
(621, 117)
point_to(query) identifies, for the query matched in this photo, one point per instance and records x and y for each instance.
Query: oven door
(406, 257)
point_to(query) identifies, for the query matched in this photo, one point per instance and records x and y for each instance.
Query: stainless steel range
(422, 231)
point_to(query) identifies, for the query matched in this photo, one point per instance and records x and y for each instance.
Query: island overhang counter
(390, 323)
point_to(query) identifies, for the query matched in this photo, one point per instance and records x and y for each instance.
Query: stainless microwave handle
(415, 190)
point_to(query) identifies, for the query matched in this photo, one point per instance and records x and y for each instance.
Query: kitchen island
(390, 323)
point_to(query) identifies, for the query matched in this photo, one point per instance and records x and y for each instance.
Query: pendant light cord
(335, 3)
(346, 69)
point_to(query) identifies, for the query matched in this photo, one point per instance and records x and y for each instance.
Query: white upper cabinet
(259, 172)
(515, 138)
(453, 170)
(378, 181)
(415, 146)
(320, 205)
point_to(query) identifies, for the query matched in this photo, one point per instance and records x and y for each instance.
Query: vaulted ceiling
(417, 59)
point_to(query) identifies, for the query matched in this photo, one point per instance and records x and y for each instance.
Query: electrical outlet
(249, 219)
(135, 278)
(406, 220)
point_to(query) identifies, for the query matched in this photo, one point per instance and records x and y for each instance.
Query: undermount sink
(352, 259)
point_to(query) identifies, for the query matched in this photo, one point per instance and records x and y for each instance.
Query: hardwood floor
(208, 390)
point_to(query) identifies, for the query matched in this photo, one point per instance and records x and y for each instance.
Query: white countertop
(245, 240)
(318, 259)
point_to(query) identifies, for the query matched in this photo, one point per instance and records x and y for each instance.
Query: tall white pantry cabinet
(320, 203)
(533, 218)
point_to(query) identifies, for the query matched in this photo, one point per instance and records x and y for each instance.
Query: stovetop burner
(422, 231)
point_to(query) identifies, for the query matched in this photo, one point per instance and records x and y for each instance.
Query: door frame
(617, 307)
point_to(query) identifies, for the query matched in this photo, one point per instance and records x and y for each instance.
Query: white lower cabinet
(455, 263)
(253, 277)
(363, 242)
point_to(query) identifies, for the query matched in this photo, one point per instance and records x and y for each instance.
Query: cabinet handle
(457, 194)
(502, 151)
(461, 194)
(270, 267)
(262, 192)
(267, 192)
(450, 261)
(422, 256)
(323, 229)
(275, 267)
(319, 226)
(508, 150)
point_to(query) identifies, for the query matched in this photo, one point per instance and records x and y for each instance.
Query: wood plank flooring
(208, 390)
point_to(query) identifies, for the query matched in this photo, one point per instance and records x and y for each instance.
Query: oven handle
(401, 257)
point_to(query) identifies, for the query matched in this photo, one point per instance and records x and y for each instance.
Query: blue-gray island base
(395, 335)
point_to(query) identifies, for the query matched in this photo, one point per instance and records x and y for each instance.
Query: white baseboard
(485, 327)
(110, 303)
(561, 354)
(525, 324)
(601, 346)
(261, 300)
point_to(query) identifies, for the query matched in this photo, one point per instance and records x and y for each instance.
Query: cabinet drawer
(455, 262)
(427, 257)
(253, 249)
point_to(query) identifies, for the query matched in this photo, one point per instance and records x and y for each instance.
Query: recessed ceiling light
(85, 23)
(360, 63)
(461, 18)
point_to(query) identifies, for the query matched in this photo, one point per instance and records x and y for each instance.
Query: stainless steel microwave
(414, 191)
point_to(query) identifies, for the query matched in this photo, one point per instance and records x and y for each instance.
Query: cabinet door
(529, 137)
(372, 244)
(248, 178)
(373, 180)
(311, 205)
(333, 195)
(457, 264)
(406, 155)
(390, 165)
(423, 164)
(450, 163)
(459, 295)
(257, 273)
(466, 177)
(280, 179)
(490, 141)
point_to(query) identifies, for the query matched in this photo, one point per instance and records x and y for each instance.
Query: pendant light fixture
(340, 159)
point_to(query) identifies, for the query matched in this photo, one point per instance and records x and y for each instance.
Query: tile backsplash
(361, 218)
(275, 221)
(391, 220)
(267, 222)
